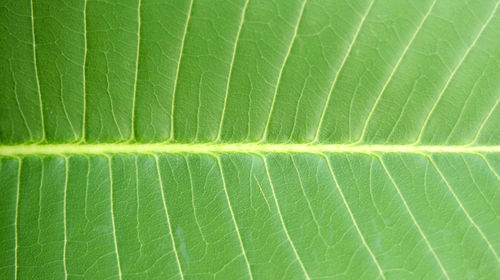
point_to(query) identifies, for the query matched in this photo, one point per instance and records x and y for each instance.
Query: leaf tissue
(250, 139)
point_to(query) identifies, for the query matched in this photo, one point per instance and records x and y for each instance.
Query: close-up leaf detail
(250, 139)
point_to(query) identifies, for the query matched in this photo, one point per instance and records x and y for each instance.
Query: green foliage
(201, 139)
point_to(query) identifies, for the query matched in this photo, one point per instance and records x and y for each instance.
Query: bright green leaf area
(250, 139)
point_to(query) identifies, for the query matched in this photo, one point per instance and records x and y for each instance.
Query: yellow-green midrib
(245, 148)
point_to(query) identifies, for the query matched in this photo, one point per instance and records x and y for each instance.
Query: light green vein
(242, 148)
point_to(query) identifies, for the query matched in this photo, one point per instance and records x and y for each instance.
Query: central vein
(244, 148)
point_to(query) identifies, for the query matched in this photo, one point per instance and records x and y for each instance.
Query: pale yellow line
(48, 149)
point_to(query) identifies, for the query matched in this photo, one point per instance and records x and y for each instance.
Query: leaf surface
(197, 139)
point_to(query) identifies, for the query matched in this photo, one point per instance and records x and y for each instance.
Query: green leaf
(200, 139)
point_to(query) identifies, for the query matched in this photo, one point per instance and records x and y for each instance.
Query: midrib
(244, 148)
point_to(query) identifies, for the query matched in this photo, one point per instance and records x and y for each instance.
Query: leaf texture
(250, 139)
